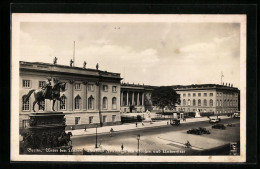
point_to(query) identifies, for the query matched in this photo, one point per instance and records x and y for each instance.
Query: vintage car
(204, 130)
(194, 131)
(231, 125)
(214, 120)
(219, 126)
(175, 122)
(236, 115)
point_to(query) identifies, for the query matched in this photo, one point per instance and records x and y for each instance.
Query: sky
(163, 53)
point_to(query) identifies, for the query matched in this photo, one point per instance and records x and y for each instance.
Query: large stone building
(98, 97)
(91, 96)
(219, 99)
(134, 97)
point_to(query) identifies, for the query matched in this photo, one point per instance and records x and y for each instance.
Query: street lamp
(96, 136)
(138, 138)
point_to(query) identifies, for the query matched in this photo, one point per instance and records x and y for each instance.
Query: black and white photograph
(128, 87)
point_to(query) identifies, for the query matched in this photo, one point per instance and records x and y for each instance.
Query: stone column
(142, 99)
(121, 99)
(133, 98)
(138, 103)
(127, 98)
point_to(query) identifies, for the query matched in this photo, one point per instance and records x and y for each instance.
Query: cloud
(150, 53)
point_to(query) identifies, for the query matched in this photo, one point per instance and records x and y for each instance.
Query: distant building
(91, 96)
(134, 97)
(219, 99)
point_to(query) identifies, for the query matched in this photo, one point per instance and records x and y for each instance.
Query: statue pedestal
(197, 114)
(46, 134)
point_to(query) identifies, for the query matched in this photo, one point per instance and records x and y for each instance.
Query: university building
(134, 97)
(91, 96)
(94, 97)
(219, 99)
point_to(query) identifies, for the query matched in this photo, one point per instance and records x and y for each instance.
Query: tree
(165, 96)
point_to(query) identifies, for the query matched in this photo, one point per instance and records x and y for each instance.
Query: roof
(47, 67)
(203, 86)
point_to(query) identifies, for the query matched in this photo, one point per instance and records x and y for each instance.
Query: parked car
(204, 130)
(236, 115)
(175, 122)
(214, 120)
(231, 125)
(219, 126)
(194, 131)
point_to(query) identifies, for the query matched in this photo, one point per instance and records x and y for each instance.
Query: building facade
(219, 99)
(94, 97)
(91, 96)
(134, 97)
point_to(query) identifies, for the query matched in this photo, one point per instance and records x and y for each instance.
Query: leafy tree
(165, 96)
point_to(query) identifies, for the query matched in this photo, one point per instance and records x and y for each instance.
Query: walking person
(111, 132)
(122, 147)
(85, 128)
(136, 124)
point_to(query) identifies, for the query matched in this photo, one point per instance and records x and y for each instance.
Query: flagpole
(74, 55)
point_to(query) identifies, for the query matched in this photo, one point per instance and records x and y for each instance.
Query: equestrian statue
(48, 91)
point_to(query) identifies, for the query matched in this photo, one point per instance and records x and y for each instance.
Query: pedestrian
(167, 123)
(142, 123)
(136, 124)
(122, 147)
(85, 128)
(111, 132)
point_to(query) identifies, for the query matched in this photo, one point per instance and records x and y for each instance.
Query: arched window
(231, 102)
(217, 103)
(26, 105)
(194, 102)
(211, 102)
(220, 102)
(91, 102)
(184, 102)
(228, 103)
(188, 102)
(113, 103)
(199, 102)
(225, 103)
(104, 102)
(205, 102)
(63, 103)
(42, 105)
(77, 102)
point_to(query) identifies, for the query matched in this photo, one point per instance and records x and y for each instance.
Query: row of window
(77, 103)
(90, 119)
(210, 94)
(205, 102)
(199, 94)
(227, 94)
(77, 86)
(205, 110)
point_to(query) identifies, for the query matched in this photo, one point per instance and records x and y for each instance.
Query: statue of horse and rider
(48, 91)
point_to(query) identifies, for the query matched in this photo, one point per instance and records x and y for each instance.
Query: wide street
(163, 140)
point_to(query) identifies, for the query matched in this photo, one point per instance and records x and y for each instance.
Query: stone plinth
(46, 134)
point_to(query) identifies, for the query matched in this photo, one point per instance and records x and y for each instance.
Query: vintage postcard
(128, 87)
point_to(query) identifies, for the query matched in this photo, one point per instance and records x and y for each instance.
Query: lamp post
(138, 138)
(96, 137)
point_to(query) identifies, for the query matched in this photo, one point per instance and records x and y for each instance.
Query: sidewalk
(132, 126)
